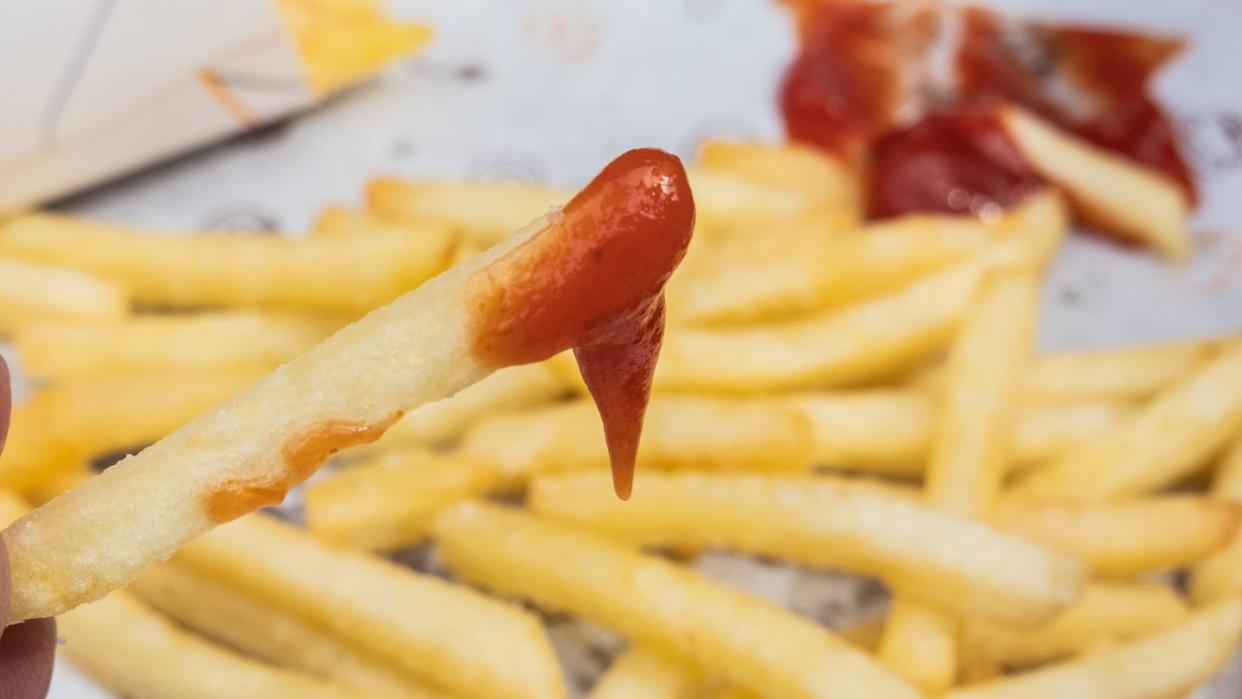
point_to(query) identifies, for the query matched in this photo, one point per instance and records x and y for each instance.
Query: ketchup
(593, 280)
(865, 86)
(961, 162)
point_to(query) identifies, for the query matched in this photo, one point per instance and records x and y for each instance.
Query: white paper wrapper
(552, 89)
(97, 88)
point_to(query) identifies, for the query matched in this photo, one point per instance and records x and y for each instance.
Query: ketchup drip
(593, 280)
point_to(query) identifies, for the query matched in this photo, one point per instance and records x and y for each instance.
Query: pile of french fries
(833, 394)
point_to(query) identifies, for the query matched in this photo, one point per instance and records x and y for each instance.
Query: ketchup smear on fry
(593, 280)
(908, 94)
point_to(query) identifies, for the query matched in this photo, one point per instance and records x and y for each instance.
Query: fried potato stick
(331, 275)
(33, 292)
(450, 634)
(1164, 664)
(1169, 438)
(57, 351)
(615, 244)
(390, 502)
(750, 642)
(963, 566)
(643, 672)
(235, 619)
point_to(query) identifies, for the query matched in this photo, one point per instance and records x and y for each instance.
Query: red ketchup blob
(870, 85)
(960, 162)
(593, 280)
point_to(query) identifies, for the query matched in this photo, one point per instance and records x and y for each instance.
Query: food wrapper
(98, 88)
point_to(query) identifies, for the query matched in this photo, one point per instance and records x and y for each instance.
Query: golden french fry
(1220, 575)
(970, 450)
(1168, 439)
(56, 484)
(864, 341)
(679, 432)
(964, 566)
(798, 268)
(1104, 611)
(730, 204)
(235, 619)
(446, 420)
(889, 431)
(808, 172)
(342, 43)
(919, 642)
(453, 636)
(1127, 537)
(33, 292)
(643, 672)
(391, 501)
(971, 444)
(340, 222)
(134, 651)
(1163, 664)
(1115, 373)
(481, 211)
(1110, 191)
(59, 426)
(60, 351)
(746, 640)
(488, 313)
(335, 275)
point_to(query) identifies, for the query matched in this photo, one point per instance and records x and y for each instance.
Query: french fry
(864, 634)
(12, 507)
(1163, 664)
(614, 245)
(333, 275)
(1104, 611)
(971, 444)
(919, 643)
(963, 566)
(64, 351)
(342, 43)
(134, 651)
(446, 420)
(969, 454)
(889, 431)
(1111, 192)
(730, 204)
(747, 641)
(1127, 537)
(864, 341)
(453, 636)
(235, 619)
(1171, 437)
(679, 432)
(807, 172)
(1123, 373)
(62, 425)
(1113, 374)
(1220, 576)
(482, 211)
(643, 672)
(32, 292)
(390, 502)
(340, 222)
(795, 269)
